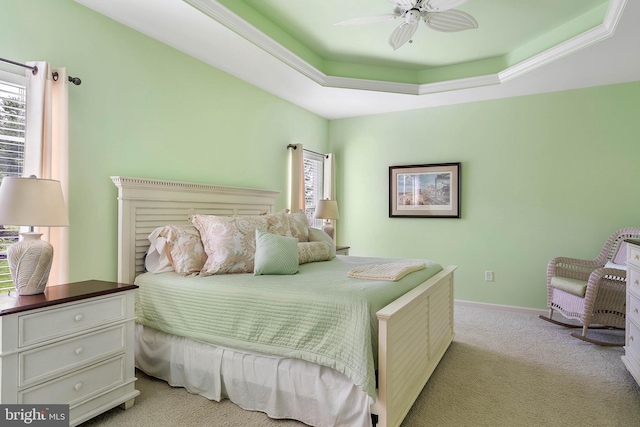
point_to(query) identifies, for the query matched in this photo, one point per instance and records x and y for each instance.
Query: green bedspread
(319, 315)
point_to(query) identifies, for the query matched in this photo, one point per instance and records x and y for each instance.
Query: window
(12, 142)
(313, 185)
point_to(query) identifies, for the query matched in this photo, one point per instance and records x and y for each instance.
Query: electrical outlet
(488, 276)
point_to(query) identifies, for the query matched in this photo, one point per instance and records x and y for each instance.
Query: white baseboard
(525, 310)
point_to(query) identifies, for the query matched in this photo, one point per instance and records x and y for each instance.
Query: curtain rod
(304, 149)
(34, 70)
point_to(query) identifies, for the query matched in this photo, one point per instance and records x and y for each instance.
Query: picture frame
(424, 191)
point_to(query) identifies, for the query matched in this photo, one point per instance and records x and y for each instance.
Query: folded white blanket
(392, 271)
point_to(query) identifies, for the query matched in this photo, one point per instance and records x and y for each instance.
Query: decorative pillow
(299, 226)
(317, 235)
(156, 259)
(620, 256)
(275, 254)
(230, 242)
(185, 250)
(314, 251)
(278, 223)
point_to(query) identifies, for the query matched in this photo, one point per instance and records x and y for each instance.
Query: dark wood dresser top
(54, 295)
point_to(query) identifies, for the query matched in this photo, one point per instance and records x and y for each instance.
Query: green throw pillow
(275, 254)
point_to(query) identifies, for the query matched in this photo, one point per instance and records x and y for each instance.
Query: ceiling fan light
(412, 16)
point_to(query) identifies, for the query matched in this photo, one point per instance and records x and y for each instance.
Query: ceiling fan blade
(402, 34)
(450, 20)
(405, 4)
(369, 19)
(441, 5)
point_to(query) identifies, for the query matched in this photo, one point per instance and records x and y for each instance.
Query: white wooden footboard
(414, 333)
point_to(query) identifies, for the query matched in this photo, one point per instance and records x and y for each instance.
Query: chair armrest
(603, 281)
(613, 274)
(572, 268)
(577, 262)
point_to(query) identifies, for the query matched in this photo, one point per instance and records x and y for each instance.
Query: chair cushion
(572, 286)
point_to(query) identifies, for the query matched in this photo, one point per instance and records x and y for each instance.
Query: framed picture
(425, 191)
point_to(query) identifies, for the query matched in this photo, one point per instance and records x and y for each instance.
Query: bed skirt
(281, 387)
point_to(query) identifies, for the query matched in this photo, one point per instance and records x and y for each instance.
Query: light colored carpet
(503, 369)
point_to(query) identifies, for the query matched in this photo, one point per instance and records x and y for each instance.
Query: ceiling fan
(437, 14)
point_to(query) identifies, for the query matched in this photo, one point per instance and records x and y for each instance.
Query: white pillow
(317, 235)
(609, 264)
(156, 260)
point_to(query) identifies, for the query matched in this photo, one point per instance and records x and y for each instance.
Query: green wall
(542, 176)
(146, 110)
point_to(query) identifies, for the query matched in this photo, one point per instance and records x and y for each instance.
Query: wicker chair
(588, 291)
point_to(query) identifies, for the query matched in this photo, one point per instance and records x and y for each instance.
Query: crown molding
(235, 23)
(226, 17)
(589, 37)
(458, 84)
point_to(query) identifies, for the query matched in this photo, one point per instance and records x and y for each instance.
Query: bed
(413, 331)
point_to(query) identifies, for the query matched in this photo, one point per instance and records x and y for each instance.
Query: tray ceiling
(294, 50)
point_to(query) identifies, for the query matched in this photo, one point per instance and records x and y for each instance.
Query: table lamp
(327, 210)
(31, 202)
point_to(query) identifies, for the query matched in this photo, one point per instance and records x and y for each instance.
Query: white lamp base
(30, 263)
(327, 227)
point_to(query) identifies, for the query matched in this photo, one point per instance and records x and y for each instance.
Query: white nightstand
(631, 356)
(342, 250)
(71, 345)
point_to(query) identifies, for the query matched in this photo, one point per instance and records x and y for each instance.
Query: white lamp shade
(32, 202)
(327, 209)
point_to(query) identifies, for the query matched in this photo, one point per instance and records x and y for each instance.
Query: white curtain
(329, 177)
(329, 182)
(47, 148)
(296, 178)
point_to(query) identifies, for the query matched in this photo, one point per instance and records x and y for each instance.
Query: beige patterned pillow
(314, 251)
(185, 250)
(230, 242)
(299, 226)
(317, 235)
(278, 223)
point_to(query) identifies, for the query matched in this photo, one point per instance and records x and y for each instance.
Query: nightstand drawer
(51, 361)
(78, 386)
(49, 324)
(633, 281)
(633, 309)
(633, 341)
(633, 255)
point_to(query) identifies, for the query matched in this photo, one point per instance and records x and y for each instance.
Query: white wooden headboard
(145, 204)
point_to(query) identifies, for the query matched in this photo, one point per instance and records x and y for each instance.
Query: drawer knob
(79, 317)
(78, 386)
(635, 310)
(637, 256)
(79, 350)
(636, 282)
